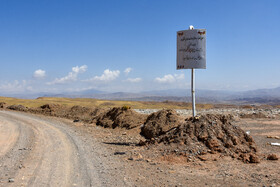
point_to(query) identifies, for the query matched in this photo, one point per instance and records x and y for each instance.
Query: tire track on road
(54, 159)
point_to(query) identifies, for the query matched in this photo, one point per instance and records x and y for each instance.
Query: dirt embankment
(76, 113)
(192, 137)
(121, 117)
(18, 108)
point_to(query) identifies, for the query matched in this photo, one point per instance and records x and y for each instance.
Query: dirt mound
(79, 110)
(97, 113)
(160, 122)
(76, 113)
(50, 107)
(53, 110)
(121, 117)
(17, 107)
(208, 134)
(2, 104)
(79, 113)
(50, 110)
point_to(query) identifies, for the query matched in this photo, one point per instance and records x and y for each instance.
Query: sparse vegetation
(125, 107)
(87, 102)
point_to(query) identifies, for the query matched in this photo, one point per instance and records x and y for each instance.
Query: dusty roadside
(57, 152)
(153, 168)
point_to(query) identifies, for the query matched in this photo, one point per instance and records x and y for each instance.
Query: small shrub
(125, 107)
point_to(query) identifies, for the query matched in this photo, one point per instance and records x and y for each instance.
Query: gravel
(271, 113)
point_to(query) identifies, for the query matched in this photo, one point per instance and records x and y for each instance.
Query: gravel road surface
(41, 151)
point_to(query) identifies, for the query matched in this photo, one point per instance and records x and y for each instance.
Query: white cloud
(39, 74)
(179, 77)
(71, 77)
(165, 79)
(127, 70)
(15, 86)
(78, 69)
(134, 80)
(170, 78)
(107, 75)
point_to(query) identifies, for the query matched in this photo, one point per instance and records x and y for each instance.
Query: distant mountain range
(260, 96)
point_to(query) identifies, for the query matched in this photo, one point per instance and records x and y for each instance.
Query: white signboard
(191, 49)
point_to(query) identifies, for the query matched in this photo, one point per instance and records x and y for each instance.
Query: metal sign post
(191, 54)
(193, 93)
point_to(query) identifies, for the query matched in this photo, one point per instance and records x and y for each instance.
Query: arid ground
(57, 145)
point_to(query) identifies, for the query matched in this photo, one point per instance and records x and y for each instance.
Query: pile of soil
(254, 115)
(79, 113)
(17, 107)
(2, 104)
(207, 134)
(160, 122)
(79, 110)
(97, 113)
(53, 110)
(121, 117)
(76, 113)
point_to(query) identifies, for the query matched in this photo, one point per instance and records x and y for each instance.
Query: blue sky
(130, 45)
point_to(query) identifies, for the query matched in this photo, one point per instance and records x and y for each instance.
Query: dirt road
(39, 151)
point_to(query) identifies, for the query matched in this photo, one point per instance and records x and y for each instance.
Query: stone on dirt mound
(160, 122)
(17, 107)
(272, 157)
(2, 104)
(121, 117)
(209, 134)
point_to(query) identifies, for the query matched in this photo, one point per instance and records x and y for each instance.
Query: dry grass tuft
(87, 102)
